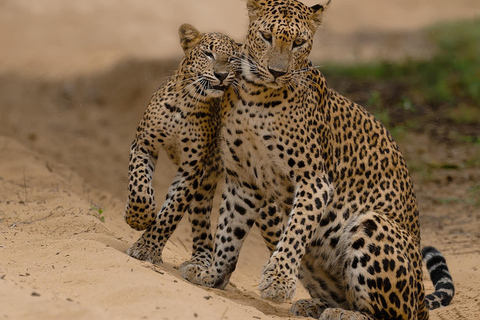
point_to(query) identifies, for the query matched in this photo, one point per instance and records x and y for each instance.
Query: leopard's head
(210, 61)
(279, 40)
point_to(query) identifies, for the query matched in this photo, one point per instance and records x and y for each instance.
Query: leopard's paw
(144, 250)
(337, 313)
(192, 271)
(140, 210)
(308, 308)
(195, 266)
(277, 283)
(203, 276)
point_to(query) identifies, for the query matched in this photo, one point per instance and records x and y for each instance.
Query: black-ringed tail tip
(441, 278)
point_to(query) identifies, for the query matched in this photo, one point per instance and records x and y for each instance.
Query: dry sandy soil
(75, 78)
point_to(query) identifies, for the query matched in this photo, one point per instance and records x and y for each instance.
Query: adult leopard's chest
(253, 138)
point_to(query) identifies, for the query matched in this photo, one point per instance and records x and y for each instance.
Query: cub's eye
(266, 36)
(209, 54)
(298, 42)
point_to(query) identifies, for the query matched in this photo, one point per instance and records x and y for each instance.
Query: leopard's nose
(276, 73)
(221, 75)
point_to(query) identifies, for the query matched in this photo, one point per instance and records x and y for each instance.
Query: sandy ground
(69, 104)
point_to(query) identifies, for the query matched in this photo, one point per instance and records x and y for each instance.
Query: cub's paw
(308, 308)
(140, 211)
(146, 251)
(337, 313)
(195, 266)
(192, 271)
(203, 276)
(277, 283)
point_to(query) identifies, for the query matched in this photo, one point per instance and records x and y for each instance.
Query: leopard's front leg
(279, 276)
(140, 209)
(199, 213)
(182, 191)
(238, 212)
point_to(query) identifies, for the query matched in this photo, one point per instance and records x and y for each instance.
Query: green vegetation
(451, 76)
(382, 113)
(474, 195)
(98, 213)
(439, 96)
(472, 198)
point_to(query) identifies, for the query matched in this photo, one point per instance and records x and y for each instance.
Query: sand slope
(60, 261)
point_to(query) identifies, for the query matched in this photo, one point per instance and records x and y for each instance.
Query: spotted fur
(183, 118)
(323, 178)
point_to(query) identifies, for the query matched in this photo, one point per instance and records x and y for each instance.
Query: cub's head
(210, 60)
(279, 40)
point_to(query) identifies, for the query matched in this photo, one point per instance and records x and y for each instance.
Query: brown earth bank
(56, 38)
(69, 104)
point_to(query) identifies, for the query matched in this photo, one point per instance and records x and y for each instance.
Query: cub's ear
(189, 36)
(320, 7)
(317, 13)
(254, 8)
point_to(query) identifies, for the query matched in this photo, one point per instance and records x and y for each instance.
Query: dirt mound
(63, 258)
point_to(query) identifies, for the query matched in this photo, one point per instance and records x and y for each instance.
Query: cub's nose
(277, 73)
(221, 75)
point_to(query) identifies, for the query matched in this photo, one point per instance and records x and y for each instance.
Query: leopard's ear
(254, 8)
(189, 36)
(317, 14)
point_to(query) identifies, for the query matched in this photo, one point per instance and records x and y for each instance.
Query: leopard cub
(183, 118)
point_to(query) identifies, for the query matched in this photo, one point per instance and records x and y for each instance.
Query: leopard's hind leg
(382, 269)
(377, 267)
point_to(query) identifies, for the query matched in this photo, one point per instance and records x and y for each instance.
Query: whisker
(204, 84)
(193, 86)
(186, 80)
(235, 83)
(299, 80)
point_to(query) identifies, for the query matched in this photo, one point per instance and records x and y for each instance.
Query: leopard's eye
(298, 42)
(209, 54)
(266, 36)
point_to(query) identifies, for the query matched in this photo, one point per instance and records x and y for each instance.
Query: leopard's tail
(441, 278)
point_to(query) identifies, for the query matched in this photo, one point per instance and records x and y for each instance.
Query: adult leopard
(352, 235)
(183, 118)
